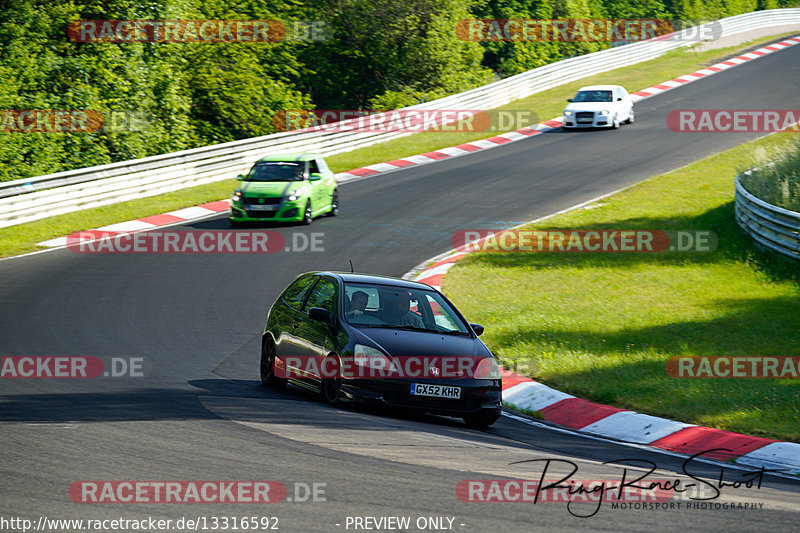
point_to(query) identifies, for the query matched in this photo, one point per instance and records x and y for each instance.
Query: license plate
(263, 207)
(437, 391)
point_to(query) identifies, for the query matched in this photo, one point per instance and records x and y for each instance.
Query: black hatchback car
(365, 338)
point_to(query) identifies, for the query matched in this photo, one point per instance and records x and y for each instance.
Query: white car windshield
(593, 96)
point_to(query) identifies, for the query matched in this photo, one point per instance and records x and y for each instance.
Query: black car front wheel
(332, 382)
(482, 420)
(267, 371)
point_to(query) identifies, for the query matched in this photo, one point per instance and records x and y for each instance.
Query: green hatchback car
(285, 188)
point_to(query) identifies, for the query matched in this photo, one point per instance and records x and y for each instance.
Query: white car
(599, 106)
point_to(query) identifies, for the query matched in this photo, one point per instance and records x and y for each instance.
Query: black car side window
(296, 293)
(312, 167)
(323, 295)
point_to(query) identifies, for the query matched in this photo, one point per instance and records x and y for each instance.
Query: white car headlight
(567, 113)
(294, 194)
(236, 196)
(487, 369)
(605, 112)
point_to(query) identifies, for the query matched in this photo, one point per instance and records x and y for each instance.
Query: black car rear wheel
(267, 359)
(332, 383)
(482, 420)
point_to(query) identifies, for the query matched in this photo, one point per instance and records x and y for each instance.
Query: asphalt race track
(199, 412)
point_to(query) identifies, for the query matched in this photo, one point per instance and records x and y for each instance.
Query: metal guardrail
(770, 226)
(43, 196)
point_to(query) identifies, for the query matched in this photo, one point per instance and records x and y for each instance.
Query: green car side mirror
(316, 176)
(240, 177)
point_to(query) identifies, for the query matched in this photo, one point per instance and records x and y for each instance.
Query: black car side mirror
(569, 99)
(477, 328)
(619, 99)
(321, 315)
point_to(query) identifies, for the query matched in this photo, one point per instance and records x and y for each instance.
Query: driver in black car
(398, 311)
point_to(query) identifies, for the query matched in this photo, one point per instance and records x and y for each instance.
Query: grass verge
(602, 326)
(548, 104)
(779, 182)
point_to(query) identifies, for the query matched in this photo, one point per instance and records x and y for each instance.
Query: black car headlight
(372, 358)
(487, 369)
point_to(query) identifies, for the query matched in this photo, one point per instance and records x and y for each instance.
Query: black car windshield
(593, 96)
(276, 171)
(386, 306)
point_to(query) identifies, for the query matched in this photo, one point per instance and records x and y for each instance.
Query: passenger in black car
(358, 302)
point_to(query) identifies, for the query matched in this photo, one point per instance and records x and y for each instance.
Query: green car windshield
(277, 171)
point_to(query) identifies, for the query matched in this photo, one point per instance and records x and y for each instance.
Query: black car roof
(349, 277)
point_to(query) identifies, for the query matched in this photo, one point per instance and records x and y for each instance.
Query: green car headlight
(294, 194)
